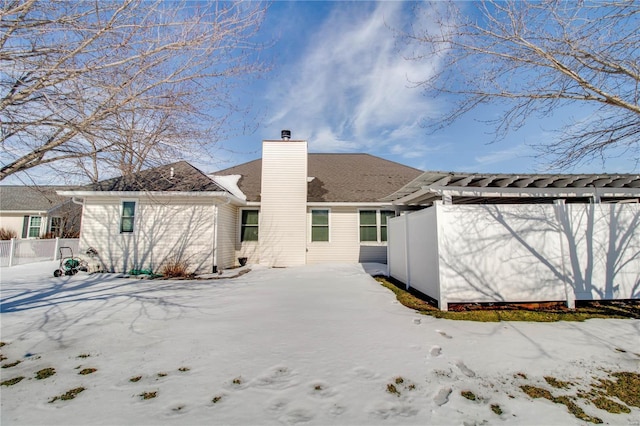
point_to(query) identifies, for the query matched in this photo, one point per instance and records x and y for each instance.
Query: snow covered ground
(309, 345)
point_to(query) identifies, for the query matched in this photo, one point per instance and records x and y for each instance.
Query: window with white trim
(127, 217)
(35, 223)
(319, 225)
(56, 226)
(249, 225)
(373, 225)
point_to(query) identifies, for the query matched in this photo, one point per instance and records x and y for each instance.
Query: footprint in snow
(417, 321)
(278, 377)
(363, 373)
(442, 397)
(298, 415)
(465, 370)
(443, 334)
(435, 351)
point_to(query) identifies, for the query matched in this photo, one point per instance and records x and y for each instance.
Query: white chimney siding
(283, 203)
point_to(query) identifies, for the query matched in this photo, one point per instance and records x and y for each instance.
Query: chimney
(283, 202)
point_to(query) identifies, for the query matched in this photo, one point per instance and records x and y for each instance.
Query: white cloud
(350, 89)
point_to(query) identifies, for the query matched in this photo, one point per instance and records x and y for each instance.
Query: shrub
(176, 268)
(48, 236)
(7, 234)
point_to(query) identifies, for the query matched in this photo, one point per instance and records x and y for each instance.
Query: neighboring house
(288, 208)
(36, 211)
(483, 238)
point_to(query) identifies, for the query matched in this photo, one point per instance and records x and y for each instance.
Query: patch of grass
(399, 380)
(148, 395)
(2, 357)
(558, 384)
(178, 408)
(162, 374)
(184, 369)
(469, 395)
(318, 387)
(12, 364)
(135, 379)
(609, 405)
(496, 409)
(391, 388)
(83, 356)
(497, 313)
(71, 394)
(12, 382)
(521, 375)
(536, 392)
(216, 399)
(237, 381)
(86, 371)
(626, 387)
(2, 344)
(45, 373)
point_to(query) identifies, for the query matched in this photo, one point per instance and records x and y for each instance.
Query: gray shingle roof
(337, 177)
(180, 176)
(31, 198)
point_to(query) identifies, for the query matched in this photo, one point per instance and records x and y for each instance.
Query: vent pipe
(285, 135)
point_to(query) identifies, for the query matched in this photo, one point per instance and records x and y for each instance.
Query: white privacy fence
(18, 252)
(518, 253)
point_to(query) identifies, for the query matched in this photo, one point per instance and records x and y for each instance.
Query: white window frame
(240, 225)
(136, 208)
(328, 210)
(60, 225)
(378, 240)
(29, 226)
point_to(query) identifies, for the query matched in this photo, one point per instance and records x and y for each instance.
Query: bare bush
(7, 234)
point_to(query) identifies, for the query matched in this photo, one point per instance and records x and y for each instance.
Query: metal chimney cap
(285, 135)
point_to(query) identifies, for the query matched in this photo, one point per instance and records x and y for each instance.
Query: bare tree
(533, 57)
(119, 84)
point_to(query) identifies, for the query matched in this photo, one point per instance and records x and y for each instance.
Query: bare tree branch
(120, 84)
(535, 57)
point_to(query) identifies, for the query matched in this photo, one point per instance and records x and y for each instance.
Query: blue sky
(340, 81)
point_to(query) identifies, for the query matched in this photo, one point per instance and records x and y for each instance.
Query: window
(34, 226)
(249, 225)
(319, 225)
(128, 214)
(368, 225)
(373, 225)
(56, 226)
(385, 215)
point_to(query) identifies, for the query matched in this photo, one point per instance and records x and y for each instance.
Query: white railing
(18, 252)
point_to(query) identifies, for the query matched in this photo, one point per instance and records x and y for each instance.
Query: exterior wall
(71, 213)
(168, 229)
(343, 245)
(12, 222)
(283, 203)
(227, 231)
(530, 252)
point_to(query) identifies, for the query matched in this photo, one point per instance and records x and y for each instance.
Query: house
(504, 238)
(287, 208)
(33, 212)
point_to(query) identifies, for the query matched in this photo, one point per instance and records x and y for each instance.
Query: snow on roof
(230, 184)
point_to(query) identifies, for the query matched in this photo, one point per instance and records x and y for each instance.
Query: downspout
(215, 238)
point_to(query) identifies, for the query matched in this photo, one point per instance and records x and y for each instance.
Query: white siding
(164, 229)
(344, 240)
(12, 222)
(227, 231)
(283, 203)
